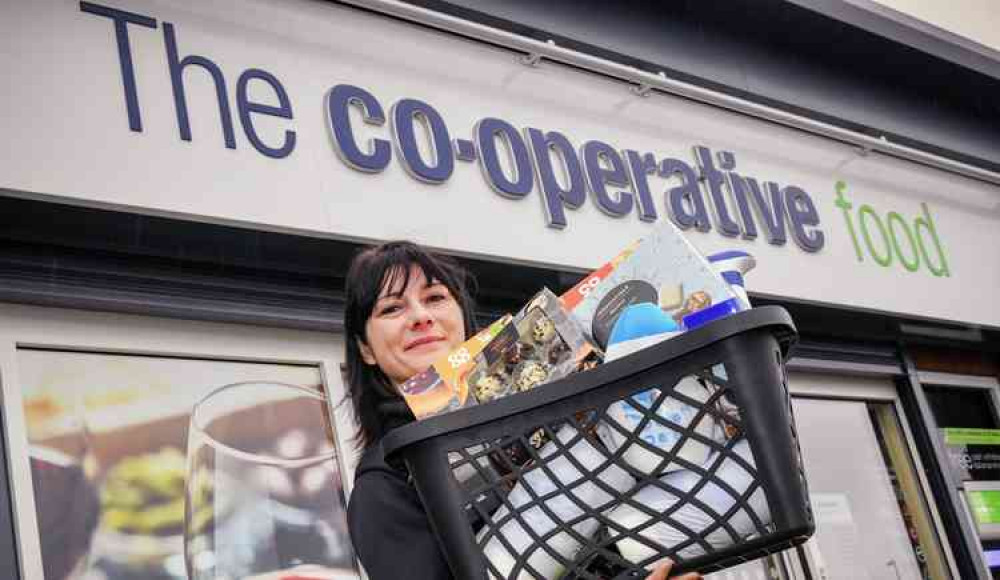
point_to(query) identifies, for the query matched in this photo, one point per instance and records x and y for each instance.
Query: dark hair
(388, 266)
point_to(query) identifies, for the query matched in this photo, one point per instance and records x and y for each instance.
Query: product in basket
(442, 387)
(572, 297)
(663, 269)
(645, 324)
(542, 344)
(509, 536)
(666, 414)
(680, 532)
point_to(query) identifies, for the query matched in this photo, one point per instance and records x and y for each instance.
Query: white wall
(67, 138)
(975, 20)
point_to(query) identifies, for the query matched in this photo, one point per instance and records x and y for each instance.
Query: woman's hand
(661, 573)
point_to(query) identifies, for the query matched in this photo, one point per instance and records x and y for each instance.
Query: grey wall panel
(884, 21)
(782, 54)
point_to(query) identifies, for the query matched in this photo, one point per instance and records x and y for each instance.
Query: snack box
(543, 343)
(442, 387)
(663, 269)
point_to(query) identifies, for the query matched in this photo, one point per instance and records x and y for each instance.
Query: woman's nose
(420, 315)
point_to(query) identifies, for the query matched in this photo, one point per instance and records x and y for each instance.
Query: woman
(405, 308)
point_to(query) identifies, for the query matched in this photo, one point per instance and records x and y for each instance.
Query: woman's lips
(422, 341)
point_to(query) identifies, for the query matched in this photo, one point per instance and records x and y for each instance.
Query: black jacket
(388, 524)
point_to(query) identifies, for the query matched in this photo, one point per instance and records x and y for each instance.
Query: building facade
(185, 184)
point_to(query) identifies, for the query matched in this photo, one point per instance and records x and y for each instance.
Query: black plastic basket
(532, 481)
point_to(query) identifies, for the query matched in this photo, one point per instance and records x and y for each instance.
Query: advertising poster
(156, 468)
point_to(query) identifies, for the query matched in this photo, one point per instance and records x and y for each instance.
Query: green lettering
(928, 224)
(845, 205)
(895, 218)
(881, 260)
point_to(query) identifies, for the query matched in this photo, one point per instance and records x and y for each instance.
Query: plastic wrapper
(714, 505)
(442, 387)
(541, 344)
(562, 478)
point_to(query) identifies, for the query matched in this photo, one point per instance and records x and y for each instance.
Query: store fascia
(375, 154)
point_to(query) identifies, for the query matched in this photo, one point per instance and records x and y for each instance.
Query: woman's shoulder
(382, 500)
(373, 465)
(378, 485)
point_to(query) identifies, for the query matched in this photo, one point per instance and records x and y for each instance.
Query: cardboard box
(663, 269)
(442, 387)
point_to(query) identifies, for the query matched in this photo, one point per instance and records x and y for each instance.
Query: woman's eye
(437, 297)
(389, 309)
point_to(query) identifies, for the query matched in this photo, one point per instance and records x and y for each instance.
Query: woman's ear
(366, 353)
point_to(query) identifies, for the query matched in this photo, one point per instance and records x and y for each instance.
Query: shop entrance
(867, 488)
(869, 495)
(965, 418)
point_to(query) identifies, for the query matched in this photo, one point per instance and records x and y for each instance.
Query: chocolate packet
(542, 344)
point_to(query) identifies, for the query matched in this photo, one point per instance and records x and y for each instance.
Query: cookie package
(542, 344)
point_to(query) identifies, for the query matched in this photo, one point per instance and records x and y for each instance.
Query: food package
(443, 387)
(568, 489)
(663, 415)
(542, 344)
(663, 269)
(572, 297)
(645, 324)
(714, 504)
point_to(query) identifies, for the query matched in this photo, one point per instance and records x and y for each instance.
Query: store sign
(985, 506)
(509, 161)
(290, 117)
(974, 453)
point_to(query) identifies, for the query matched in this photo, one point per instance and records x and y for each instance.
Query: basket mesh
(608, 492)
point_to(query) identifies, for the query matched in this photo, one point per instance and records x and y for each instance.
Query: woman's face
(411, 327)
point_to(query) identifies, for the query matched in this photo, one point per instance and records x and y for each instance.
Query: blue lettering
(180, 101)
(772, 213)
(122, 19)
(687, 207)
(599, 177)
(338, 101)
(739, 187)
(555, 197)
(714, 180)
(640, 167)
(246, 107)
(487, 132)
(404, 119)
(802, 213)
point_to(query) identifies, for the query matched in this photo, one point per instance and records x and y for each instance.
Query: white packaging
(659, 437)
(565, 506)
(665, 536)
(641, 326)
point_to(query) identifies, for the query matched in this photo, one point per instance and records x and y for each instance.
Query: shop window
(143, 468)
(967, 423)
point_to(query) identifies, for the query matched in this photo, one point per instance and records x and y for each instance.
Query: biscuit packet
(542, 344)
(443, 386)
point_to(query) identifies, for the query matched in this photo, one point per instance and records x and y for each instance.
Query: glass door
(872, 517)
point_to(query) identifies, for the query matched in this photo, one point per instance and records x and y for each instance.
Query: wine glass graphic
(263, 496)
